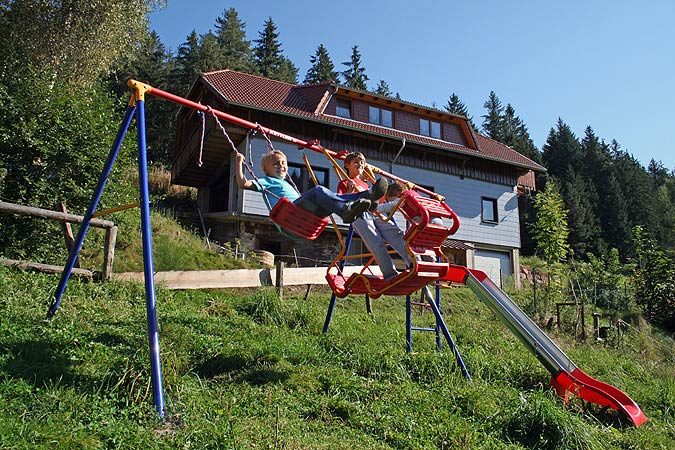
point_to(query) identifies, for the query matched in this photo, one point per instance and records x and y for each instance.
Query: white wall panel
(463, 195)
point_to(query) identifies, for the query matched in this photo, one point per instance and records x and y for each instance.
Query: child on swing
(374, 233)
(319, 200)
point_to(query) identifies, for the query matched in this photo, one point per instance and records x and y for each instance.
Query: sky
(607, 64)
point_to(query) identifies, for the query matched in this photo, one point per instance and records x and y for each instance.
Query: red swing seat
(423, 238)
(296, 220)
(406, 282)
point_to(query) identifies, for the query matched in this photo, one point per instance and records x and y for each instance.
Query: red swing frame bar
(312, 145)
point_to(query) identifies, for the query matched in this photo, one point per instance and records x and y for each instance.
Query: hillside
(245, 370)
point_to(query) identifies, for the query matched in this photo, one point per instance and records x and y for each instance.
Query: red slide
(566, 377)
(594, 391)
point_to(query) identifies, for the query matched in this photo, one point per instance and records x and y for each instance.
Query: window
(430, 128)
(343, 108)
(428, 188)
(302, 178)
(380, 116)
(489, 210)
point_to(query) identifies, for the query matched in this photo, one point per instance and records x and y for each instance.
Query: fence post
(109, 256)
(534, 288)
(280, 279)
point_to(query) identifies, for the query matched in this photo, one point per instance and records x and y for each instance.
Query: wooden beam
(46, 268)
(68, 234)
(238, 278)
(13, 208)
(109, 256)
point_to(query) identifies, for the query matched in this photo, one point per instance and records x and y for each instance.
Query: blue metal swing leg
(146, 230)
(440, 322)
(93, 203)
(148, 265)
(409, 323)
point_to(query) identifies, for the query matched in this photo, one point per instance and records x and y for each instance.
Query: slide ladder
(566, 377)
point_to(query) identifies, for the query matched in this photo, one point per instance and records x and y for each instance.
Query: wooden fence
(64, 217)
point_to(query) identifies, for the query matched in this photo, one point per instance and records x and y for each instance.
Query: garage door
(497, 265)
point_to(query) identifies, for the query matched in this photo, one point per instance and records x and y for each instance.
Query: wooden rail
(110, 233)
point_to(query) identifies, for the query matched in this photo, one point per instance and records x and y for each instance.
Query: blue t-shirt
(278, 187)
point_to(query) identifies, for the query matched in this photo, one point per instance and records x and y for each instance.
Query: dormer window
(380, 116)
(343, 108)
(430, 128)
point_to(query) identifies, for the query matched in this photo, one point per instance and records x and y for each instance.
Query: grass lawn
(244, 370)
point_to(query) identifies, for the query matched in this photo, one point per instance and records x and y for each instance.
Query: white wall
(463, 195)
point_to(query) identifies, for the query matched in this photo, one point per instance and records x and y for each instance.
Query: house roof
(309, 102)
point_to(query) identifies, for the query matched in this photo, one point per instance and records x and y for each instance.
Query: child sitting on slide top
(391, 199)
(319, 201)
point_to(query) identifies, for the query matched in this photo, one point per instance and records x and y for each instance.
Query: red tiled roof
(457, 245)
(309, 101)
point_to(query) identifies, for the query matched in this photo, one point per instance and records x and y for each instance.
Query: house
(479, 177)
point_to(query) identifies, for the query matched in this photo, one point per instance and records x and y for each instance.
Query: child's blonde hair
(267, 157)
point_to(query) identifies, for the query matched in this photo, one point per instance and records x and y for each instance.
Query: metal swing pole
(341, 266)
(93, 203)
(136, 104)
(148, 264)
(440, 322)
(438, 305)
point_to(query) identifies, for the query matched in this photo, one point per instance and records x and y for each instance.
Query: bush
(53, 145)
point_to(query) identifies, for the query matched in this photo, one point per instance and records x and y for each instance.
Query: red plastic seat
(296, 220)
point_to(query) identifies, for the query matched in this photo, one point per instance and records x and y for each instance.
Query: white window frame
(376, 115)
(430, 128)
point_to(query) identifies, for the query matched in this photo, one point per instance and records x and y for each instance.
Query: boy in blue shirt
(319, 201)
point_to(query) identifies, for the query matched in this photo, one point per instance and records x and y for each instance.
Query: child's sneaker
(354, 209)
(378, 190)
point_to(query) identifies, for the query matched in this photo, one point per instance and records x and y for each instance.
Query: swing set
(423, 239)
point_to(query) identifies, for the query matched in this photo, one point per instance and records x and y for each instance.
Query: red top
(343, 186)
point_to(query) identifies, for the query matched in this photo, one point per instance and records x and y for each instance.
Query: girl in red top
(374, 232)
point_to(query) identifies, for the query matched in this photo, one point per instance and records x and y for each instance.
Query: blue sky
(607, 64)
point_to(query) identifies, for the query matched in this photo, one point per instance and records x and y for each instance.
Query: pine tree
(211, 55)
(355, 75)
(642, 205)
(658, 172)
(562, 152)
(322, 68)
(456, 106)
(287, 71)
(383, 89)
(584, 228)
(515, 135)
(609, 203)
(151, 63)
(268, 56)
(185, 70)
(492, 121)
(196, 55)
(231, 36)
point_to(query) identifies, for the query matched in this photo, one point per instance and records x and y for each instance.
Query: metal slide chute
(566, 377)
